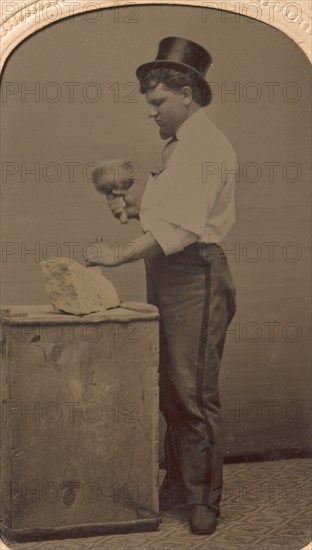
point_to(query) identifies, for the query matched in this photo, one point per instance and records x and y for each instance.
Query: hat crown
(187, 52)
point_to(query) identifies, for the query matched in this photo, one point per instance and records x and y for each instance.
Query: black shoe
(203, 520)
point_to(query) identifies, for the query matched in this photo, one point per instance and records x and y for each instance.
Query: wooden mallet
(112, 177)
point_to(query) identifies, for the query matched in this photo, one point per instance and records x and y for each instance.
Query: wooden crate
(79, 428)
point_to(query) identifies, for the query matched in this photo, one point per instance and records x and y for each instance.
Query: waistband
(197, 253)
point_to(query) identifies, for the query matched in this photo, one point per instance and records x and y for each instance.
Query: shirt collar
(191, 122)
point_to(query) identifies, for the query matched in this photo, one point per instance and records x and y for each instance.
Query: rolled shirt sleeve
(171, 238)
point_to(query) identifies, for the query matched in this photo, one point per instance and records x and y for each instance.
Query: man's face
(167, 107)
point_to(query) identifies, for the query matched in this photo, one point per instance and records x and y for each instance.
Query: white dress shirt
(193, 198)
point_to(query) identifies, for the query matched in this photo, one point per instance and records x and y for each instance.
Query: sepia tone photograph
(155, 275)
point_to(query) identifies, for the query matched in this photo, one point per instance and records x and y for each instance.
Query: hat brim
(144, 69)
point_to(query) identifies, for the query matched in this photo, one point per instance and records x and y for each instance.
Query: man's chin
(165, 132)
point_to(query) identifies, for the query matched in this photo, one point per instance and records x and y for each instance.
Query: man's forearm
(144, 246)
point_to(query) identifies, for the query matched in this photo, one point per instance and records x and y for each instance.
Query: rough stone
(74, 288)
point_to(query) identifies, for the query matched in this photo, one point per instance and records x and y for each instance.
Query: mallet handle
(123, 217)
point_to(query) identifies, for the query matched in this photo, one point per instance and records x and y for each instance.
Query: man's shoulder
(206, 137)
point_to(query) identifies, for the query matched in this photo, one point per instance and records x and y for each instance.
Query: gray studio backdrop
(85, 106)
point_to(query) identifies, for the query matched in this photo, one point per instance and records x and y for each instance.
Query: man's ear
(187, 95)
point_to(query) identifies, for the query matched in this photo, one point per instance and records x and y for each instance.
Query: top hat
(185, 56)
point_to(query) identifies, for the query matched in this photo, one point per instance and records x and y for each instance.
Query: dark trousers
(194, 292)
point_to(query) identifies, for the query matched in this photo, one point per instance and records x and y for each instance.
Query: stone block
(76, 289)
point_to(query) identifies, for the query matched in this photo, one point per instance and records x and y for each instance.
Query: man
(186, 210)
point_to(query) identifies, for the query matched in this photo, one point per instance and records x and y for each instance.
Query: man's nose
(152, 111)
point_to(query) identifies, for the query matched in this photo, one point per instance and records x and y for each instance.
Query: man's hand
(120, 200)
(102, 255)
(145, 246)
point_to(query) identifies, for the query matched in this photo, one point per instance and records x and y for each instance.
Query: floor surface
(266, 506)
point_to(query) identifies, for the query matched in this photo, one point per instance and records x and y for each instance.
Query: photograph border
(21, 18)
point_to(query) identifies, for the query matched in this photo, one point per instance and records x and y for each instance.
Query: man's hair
(175, 80)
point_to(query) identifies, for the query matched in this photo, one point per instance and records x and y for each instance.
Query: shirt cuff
(171, 238)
